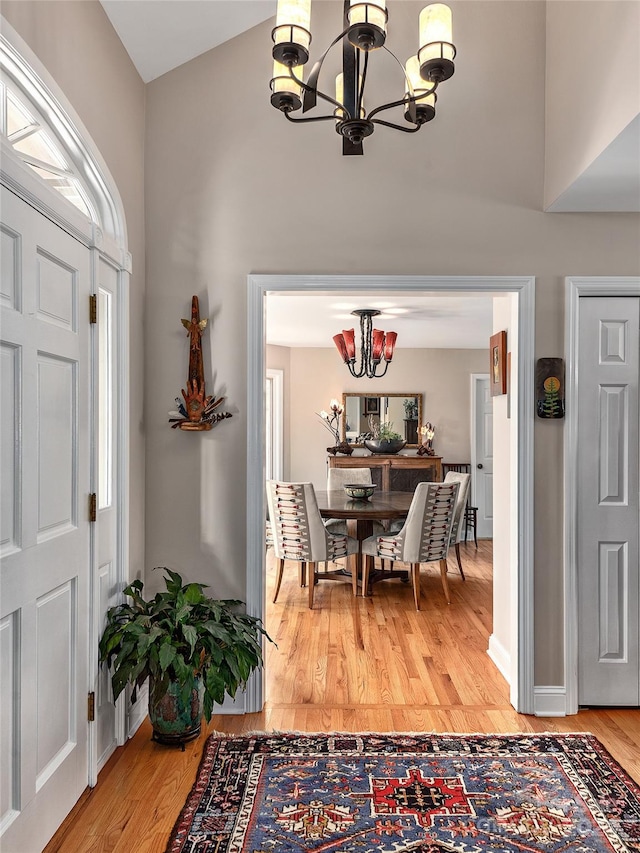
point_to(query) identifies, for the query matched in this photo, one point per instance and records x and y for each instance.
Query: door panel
(46, 533)
(608, 520)
(482, 468)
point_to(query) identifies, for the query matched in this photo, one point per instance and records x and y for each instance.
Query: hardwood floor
(353, 665)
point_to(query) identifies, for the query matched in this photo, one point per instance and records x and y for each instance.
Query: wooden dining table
(360, 515)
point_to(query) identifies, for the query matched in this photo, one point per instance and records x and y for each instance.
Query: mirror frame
(343, 423)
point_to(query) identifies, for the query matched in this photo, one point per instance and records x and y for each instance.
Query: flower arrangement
(331, 419)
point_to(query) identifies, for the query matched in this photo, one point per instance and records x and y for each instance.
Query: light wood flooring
(371, 664)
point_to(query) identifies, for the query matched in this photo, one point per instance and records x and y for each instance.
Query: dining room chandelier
(376, 347)
(364, 30)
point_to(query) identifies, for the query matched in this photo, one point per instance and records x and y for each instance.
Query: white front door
(482, 456)
(607, 501)
(45, 542)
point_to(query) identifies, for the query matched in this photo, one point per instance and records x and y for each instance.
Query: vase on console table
(343, 447)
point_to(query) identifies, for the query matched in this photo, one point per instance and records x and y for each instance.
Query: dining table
(360, 515)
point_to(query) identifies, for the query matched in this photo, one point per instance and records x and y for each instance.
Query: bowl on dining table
(360, 491)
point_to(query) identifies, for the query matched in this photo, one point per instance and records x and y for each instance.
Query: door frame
(522, 600)
(577, 287)
(277, 419)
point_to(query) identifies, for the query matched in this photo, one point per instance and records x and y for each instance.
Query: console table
(394, 473)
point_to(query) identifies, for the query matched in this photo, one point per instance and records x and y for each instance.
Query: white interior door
(45, 542)
(607, 501)
(482, 455)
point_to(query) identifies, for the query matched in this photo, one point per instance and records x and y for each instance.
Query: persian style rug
(427, 793)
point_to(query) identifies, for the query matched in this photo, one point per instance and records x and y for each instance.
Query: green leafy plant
(387, 433)
(181, 635)
(410, 409)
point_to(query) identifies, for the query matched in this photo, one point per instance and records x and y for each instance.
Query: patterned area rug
(350, 793)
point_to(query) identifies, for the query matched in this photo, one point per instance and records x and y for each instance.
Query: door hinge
(93, 308)
(91, 707)
(93, 507)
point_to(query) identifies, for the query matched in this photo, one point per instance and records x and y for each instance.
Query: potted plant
(385, 438)
(193, 649)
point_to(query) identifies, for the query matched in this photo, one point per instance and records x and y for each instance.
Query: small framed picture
(498, 363)
(372, 405)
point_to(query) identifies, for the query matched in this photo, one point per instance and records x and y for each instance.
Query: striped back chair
(424, 538)
(300, 535)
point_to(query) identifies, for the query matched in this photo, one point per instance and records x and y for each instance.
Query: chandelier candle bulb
(426, 103)
(368, 24)
(291, 35)
(339, 113)
(436, 52)
(286, 93)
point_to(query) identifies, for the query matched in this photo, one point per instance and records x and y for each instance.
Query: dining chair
(337, 479)
(299, 535)
(461, 502)
(424, 537)
(470, 512)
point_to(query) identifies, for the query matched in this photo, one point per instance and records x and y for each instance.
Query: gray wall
(80, 49)
(232, 189)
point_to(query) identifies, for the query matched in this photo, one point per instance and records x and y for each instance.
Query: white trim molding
(258, 286)
(550, 701)
(500, 656)
(575, 289)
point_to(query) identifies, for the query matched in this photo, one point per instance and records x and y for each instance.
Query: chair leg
(302, 573)
(367, 562)
(459, 560)
(312, 583)
(445, 582)
(415, 582)
(278, 580)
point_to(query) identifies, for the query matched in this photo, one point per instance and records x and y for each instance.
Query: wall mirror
(404, 411)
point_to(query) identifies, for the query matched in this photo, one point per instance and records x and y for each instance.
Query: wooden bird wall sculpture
(197, 412)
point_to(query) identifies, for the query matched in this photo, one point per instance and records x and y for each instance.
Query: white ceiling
(425, 321)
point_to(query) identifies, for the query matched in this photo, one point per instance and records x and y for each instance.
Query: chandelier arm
(289, 117)
(311, 86)
(397, 126)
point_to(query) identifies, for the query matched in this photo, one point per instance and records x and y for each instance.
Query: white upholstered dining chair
(458, 514)
(337, 479)
(424, 537)
(299, 534)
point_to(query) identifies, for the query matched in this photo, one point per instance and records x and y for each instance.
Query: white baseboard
(550, 701)
(501, 657)
(232, 706)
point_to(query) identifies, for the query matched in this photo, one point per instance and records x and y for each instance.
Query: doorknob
(480, 465)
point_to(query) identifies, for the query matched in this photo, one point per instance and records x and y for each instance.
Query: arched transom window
(30, 139)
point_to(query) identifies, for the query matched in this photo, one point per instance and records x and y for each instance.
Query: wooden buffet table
(394, 473)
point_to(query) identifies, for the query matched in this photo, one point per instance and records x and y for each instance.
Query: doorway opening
(521, 586)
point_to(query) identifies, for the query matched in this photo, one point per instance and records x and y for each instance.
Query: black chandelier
(364, 30)
(375, 346)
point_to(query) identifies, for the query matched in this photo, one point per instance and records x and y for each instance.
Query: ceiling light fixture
(375, 346)
(364, 30)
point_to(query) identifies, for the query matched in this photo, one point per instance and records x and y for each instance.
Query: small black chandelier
(376, 347)
(364, 30)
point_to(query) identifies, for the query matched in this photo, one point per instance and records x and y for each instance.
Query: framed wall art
(498, 363)
(550, 388)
